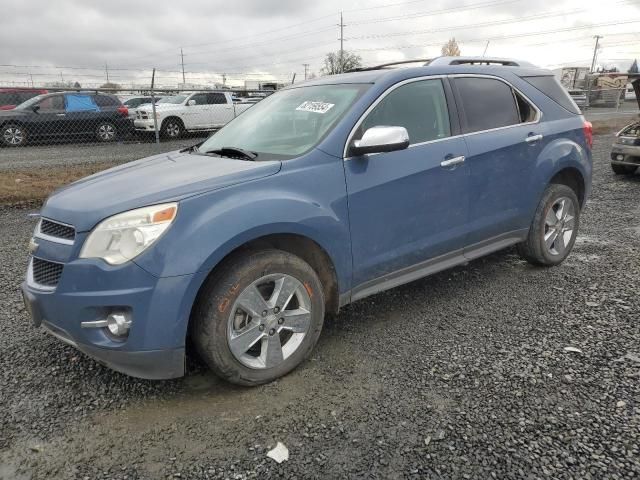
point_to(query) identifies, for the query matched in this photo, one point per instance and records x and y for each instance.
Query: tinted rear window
(551, 87)
(487, 103)
(107, 101)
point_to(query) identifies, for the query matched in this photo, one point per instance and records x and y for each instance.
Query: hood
(166, 177)
(160, 107)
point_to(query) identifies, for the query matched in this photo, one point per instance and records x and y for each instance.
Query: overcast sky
(259, 38)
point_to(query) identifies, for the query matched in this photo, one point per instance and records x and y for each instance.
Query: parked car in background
(625, 153)
(132, 103)
(629, 93)
(11, 97)
(189, 112)
(320, 195)
(65, 115)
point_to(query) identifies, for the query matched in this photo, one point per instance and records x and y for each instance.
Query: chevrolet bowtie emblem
(33, 246)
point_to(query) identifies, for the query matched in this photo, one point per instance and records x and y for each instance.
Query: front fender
(307, 199)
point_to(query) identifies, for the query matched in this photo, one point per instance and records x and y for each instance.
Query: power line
(476, 25)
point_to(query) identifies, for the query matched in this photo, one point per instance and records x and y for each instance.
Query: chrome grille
(46, 273)
(58, 230)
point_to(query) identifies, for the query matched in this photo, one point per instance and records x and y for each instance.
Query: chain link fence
(52, 116)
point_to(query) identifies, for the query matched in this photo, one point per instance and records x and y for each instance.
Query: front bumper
(144, 125)
(89, 290)
(625, 154)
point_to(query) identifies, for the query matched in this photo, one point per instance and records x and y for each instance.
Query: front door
(408, 206)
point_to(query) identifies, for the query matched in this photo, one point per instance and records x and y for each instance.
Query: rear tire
(13, 135)
(554, 228)
(172, 128)
(248, 326)
(623, 169)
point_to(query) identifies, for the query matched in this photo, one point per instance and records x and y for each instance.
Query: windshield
(173, 99)
(288, 123)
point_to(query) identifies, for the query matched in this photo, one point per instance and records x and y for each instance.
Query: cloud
(278, 36)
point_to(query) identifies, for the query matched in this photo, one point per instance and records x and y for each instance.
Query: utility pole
(182, 62)
(341, 25)
(595, 52)
(486, 47)
(306, 69)
(106, 70)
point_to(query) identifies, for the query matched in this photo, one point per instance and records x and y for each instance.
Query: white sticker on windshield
(316, 107)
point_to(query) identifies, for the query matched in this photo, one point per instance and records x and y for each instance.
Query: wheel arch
(572, 178)
(297, 244)
(172, 117)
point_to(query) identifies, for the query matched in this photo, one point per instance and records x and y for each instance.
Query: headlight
(122, 237)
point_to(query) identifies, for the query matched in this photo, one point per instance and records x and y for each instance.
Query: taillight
(124, 111)
(588, 134)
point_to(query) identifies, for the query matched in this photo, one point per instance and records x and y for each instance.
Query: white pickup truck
(189, 112)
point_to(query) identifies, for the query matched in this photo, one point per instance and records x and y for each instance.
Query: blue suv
(322, 194)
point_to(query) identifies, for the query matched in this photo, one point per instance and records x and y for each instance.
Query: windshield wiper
(192, 148)
(233, 152)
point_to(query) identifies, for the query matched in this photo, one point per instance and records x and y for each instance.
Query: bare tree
(333, 63)
(111, 86)
(451, 49)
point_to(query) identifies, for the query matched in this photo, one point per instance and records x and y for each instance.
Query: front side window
(50, 104)
(200, 99)
(287, 123)
(487, 103)
(420, 107)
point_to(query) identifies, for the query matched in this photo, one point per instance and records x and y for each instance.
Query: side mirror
(35, 108)
(191, 103)
(379, 140)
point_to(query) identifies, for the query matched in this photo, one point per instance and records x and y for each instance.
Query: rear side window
(487, 103)
(552, 88)
(420, 107)
(217, 98)
(106, 101)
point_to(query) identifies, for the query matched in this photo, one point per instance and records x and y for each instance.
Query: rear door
(82, 113)
(408, 206)
(502, 131)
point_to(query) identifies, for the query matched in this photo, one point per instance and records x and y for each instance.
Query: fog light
(119, 324)
(620, 157)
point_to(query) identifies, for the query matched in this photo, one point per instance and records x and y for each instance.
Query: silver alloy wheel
(106, 132)
(172, 129)
(559, 225)
(268, 321)
(13, 135)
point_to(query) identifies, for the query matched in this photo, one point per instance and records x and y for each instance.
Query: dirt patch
(612, 125)
(19, 186)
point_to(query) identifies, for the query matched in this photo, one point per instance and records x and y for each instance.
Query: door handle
(60, 114)
(533, 138)
(452, 162)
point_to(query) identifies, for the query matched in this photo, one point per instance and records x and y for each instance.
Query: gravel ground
(460, 375)
(61, 154)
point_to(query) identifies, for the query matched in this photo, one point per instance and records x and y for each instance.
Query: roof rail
(424, 61)
(505, 62)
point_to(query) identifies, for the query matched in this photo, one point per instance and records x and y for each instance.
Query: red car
(11, 97)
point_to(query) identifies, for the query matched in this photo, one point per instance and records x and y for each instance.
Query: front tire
(106, 132)
(258, 317)
(554, 228)
(13, 135)
(623, 169)
(172, 128)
